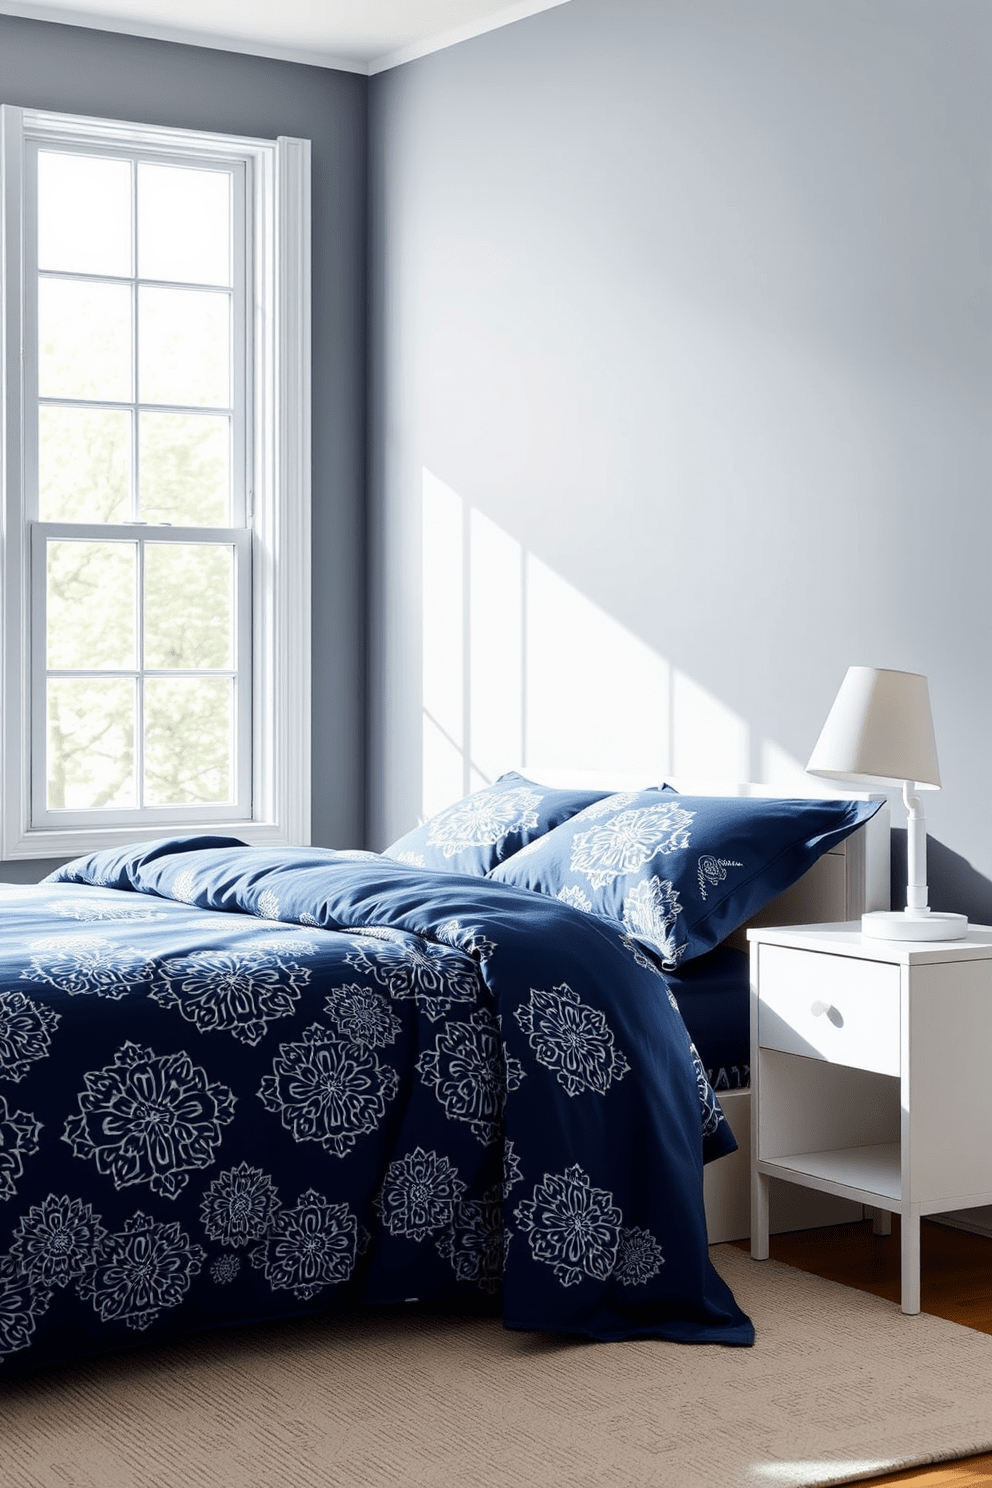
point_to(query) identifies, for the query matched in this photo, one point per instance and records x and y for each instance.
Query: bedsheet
(238, 1083)
(713, 996)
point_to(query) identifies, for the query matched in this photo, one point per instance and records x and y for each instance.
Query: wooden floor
(956, 1283)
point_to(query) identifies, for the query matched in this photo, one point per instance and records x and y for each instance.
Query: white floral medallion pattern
(470, 1074)
(712, 1112)
(238, 1205)
(267, 907)
(639, 1258)
(650, 913)
(419, 1194)
(434, 976)
(363, 1015)
(572, 1039)
(712, 871)
(80, 909)
(467, 938)
(184, 886)
(512, 1169)
(150, 1118)
(476, 1242)
(608, 804)
(235, 991)
(18, 1139)
(310, 1247)
(225, 1268)
(483, 819)
(144, 1269)
(328, 1090)
(626, 841)
(57, 1241)
(577, 897)
(21, 1304)
(572, 1227)
(26, 1029)
(86, 964)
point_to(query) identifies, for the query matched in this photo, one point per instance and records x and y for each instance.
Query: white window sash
(278, 394)
(141, 534)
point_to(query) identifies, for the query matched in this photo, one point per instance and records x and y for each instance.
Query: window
(156, 474)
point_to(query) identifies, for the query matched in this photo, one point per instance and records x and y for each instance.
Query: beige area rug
(839, 1385)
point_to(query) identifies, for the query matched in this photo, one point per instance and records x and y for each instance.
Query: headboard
(849, 879)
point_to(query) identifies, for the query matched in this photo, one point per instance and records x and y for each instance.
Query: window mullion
(139, 698)
(135, 390)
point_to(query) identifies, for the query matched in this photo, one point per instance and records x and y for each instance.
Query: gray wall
(682, 329)
(91, 72)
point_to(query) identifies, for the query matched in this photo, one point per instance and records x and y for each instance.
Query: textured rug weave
(839, 1385)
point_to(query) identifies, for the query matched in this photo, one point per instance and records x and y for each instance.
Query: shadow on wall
(521, 669)
(955, 886)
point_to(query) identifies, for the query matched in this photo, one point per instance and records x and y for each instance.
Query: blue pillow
(477, 833)
(680, 873)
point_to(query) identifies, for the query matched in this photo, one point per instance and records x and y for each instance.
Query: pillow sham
(680, 873)
(477, 833)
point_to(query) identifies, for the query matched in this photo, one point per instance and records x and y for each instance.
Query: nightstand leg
(910, 1226)
(759, 1217)
(881, 1221)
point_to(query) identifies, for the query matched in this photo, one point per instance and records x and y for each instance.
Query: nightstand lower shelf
(869, 1175)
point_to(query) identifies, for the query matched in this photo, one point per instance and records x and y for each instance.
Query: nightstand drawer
(829, 1007)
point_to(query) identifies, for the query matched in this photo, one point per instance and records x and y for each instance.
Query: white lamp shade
(880, 729)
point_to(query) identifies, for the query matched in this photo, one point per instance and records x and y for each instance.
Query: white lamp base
(907, 924)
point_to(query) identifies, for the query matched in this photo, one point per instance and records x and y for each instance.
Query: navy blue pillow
(477, 833)
(680, 873)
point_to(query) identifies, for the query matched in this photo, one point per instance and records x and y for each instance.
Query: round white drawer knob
(819, 1008)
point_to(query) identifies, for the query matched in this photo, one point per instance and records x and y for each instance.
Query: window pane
(188, 740)
(84, 465)
(84, 340)
(84, 214)
(91, 605)
(189, 605)
(184, 463)
(90, 742)
(184, 354)
(184, 224)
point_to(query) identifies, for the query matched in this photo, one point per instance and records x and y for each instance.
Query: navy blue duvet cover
(239, 1083)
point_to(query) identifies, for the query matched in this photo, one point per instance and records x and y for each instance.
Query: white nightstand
(870, 1075)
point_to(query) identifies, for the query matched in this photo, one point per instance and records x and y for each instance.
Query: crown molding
(60, 15)
(505, 17)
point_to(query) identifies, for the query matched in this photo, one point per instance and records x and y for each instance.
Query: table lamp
(880, 730)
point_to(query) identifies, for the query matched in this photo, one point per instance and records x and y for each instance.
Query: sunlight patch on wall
(522, 669)
(444, 734)
(496, 650)
(596, 695)
(708, 739)
(779, 768)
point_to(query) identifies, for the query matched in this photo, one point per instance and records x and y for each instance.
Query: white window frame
(278, 216)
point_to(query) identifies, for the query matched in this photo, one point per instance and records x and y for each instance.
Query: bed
(239, 1083)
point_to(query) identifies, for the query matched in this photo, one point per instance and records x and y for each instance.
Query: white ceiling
(359, 35)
